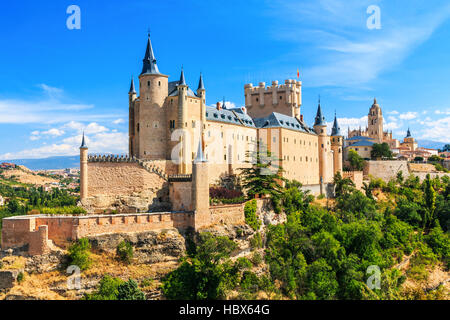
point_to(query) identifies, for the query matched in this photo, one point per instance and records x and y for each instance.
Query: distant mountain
(431, 144)
(48, 163)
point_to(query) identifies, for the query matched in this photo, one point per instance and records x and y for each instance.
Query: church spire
(149, 66)
(336, 130)
(408, 133)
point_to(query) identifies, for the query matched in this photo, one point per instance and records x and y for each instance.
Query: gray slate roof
(362, 143)
(276, 120)
(359, 138)
(149, 66)
(233, 116)
(173, 89)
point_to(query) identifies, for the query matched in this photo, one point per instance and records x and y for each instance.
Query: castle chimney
(301, 118)
(218, 107)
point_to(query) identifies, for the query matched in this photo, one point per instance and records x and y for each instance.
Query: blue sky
(56, 82)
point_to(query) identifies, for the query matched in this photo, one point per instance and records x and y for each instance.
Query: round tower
(336, 145)
(131, 119)
(182, 122)
(151, 125)
(83, 170)
(320, 127)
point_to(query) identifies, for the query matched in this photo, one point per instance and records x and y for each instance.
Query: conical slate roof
(319, 120)
(336, 130)
(149, 66)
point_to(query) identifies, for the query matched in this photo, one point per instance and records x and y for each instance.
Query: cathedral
(167, 119)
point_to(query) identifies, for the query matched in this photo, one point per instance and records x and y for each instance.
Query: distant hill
(431, 144)
(48, 163)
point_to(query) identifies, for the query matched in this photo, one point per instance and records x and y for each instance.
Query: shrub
(116, 289)
(256, 258)
(20, 277)
(124, 251)
(251, 217)
(129, 291)
(224, 193)
(321, 196)
(79, 254)
(256, 241)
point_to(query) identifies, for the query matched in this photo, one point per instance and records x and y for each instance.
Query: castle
(169, 122)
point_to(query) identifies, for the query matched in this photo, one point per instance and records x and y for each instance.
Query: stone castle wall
(35, 231)
(356, 177)
(385, 170)
(128, 186)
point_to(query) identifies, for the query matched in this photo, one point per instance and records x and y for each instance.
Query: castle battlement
(289, 85)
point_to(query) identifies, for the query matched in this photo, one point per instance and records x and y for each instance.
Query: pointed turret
(83, 143)
(199, 157)
(132, 89)
(149, 66)
(223, 103)
(336, 130)
(182, 79)
(200, 83)
(319, 120)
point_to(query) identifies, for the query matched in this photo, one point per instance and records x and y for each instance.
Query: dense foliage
(79, 254)
(116, 289)
(355, 160)
(124, 251)
(381, 150)
(329, 253)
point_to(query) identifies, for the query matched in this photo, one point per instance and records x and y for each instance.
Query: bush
(116, 289)
(224, 193)
(79, 254)
(124, 251)
(129, 291)
(256, 258)
(256, 241)
(251, 217)
(20, 277)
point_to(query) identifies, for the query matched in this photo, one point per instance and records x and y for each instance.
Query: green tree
(430, 202)
(207, 273)
(263, 177)
(356, 162)
(381, 150)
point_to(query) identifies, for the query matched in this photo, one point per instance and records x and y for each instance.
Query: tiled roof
(359, 138)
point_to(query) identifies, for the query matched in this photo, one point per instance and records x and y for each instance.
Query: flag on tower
(298, 73)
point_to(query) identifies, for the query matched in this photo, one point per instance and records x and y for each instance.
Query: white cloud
(53, 132)
(408, 115)
(437, 130)
(118, 121)
(344, 52)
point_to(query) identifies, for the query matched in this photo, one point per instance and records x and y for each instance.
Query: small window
(159, 83)
(148, 83)
(281, 97)
(193, 124)
(257, 99)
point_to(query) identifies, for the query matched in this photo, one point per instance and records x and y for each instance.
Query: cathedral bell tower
(375, 122)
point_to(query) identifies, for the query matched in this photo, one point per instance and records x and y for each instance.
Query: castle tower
(150, 125)
(336, 145)
(201, 93)
(320, 127)
(83, 170)
(284, 98)
(200, 190)
(375, 122)
(131, 118)
(182, 122)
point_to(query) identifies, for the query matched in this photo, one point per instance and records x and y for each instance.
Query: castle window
(193, 124)
(322, 145)
(148, 83)
(224, 157)
(155, 124)
(257, 99)
(159, 83)
(172, 124)
(306, 158)
(281, 97)
(138, 127)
